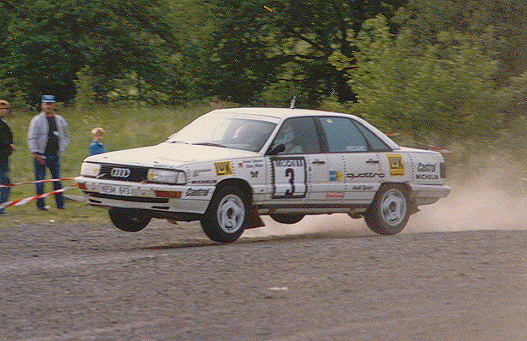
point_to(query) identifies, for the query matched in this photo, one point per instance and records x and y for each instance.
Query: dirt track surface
(168, 282)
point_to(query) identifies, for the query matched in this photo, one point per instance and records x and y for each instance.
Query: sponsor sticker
(362, 188)
(335, 195)
(426, 171)
(223, 168)
(289, 177)
(252, 163)
(204, 182)
(198, 172)
(366, 175)
(335, 176)
(197, 192)
(396, 164)
(426, 167)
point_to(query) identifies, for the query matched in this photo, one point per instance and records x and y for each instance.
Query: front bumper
(146, 196)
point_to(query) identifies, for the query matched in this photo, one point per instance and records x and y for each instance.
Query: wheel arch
(402, 185)
(239, 183)
(405, 187)
(253, 219)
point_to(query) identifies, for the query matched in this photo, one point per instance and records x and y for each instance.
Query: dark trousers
(53, 163)
(4, 180)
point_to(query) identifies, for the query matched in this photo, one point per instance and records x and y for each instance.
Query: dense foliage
(449, 70)
(445, 90)
(46, 42)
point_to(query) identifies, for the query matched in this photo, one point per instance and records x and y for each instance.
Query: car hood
(169, 155)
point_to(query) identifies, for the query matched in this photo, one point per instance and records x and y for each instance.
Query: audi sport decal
(289, 177)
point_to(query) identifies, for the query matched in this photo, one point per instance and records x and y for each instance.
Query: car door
(354, 165)
(298, 174)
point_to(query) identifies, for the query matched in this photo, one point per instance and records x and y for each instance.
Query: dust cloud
(487, 203)
(493, 201)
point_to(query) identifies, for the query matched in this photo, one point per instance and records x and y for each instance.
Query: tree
(49, 41)
(257, 45)
(445, 90)
(506, 18)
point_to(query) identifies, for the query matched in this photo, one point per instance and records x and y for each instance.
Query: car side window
(342, 135)
(298, 135)
(375, 142)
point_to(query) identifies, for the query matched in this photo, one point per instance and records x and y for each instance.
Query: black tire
(287, 218)
(389, 212)
(128, 220)
(226, 216)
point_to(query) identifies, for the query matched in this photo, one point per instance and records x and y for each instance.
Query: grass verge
(126, 127)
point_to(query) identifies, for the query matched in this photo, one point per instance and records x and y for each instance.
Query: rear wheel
(128, 220)
(389, 212)
(225, 219)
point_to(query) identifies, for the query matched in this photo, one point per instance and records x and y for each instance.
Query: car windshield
(237, 132)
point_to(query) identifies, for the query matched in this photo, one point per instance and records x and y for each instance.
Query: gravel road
(168, 282)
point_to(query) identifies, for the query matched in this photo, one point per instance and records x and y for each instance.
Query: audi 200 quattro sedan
(230, 166)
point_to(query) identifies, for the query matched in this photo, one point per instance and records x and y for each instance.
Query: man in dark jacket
(6, 148)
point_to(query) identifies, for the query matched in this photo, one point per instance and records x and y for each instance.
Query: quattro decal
(396, 164)
(289, 177)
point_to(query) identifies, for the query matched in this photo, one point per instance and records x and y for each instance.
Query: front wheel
(128, 220)
(389, 212)
(225, 219)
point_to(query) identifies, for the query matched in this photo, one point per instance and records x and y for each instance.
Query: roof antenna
(293, 102)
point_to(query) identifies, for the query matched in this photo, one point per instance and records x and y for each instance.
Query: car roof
(282, 113)
(279, 112)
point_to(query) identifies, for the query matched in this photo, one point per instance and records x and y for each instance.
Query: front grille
(123, 173)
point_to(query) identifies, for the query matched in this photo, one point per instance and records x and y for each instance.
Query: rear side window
(342, 135)
(376, 144)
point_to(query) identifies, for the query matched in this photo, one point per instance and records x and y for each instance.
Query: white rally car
(230, 166)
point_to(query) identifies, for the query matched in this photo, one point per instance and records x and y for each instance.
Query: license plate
(116, 190)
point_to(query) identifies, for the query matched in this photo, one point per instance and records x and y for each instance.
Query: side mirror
(276, 150)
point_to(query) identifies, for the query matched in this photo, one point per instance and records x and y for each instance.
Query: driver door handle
(373, 161)
(319, 162)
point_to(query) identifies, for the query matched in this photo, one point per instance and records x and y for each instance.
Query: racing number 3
(290, 172)
(289, 177)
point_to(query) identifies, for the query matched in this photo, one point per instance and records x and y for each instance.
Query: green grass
(126, 127)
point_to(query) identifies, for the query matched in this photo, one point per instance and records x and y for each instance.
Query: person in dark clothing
(48, 137)
(6, 148)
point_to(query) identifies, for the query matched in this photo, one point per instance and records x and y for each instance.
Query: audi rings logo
(120, 172)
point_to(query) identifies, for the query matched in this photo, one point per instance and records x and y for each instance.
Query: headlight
(90, 169)
(167, 176)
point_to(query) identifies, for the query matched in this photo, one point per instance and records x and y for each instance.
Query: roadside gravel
(168, 282)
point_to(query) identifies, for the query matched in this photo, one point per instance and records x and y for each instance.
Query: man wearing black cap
(48, 138)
